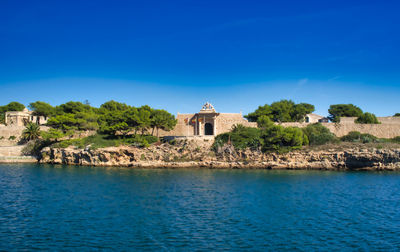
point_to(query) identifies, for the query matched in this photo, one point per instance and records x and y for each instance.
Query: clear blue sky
(178, 54)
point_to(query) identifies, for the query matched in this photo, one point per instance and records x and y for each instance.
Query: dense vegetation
(112, 118)
(269, 138)
(355, 136)
(343, 110)
(115, 123)
(318, 134)
(275, 138)
(282, 111)
(367, 118)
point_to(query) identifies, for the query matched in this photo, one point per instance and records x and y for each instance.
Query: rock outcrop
(193, 154)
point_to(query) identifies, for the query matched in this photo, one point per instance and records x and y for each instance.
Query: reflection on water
(49, 207)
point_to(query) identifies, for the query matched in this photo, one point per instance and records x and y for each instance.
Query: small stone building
(22, 118)
(314, 118)
(207, 122)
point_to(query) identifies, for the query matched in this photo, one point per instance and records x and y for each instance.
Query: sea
(69, 208)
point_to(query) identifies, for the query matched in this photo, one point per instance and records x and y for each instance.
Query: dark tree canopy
(73, 107)
(12, 106)
(282, 111)
(119, 118)
(343, 110)
(40, 108)
(271, 138)
(397, 114)
(367, 118)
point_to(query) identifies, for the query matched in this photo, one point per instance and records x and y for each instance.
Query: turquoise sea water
(64, 207)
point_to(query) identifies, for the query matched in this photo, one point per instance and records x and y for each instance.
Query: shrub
(318, 134)
(343, 110)
(241, 137)
(33, 148)
(367, 118)
(12, 138)
(355, 136)
(280, 139)
(151, 139)
(395, 139)
(274, 138)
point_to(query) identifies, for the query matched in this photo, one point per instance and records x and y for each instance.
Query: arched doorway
(208, 129)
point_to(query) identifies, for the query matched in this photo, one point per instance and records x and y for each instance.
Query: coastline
(348, 159)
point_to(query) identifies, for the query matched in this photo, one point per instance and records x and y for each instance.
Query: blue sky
(178, 54)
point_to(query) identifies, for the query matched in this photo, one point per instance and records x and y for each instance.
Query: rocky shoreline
(188, 155)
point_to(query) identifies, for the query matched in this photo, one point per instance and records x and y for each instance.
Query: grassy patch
(102, 141)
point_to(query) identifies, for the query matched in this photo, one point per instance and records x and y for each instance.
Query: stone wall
(11, 151)
(226, 121)
(8, 131)
(389, 127)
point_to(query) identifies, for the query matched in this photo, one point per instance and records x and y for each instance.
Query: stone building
(314, 118)
(207, 122)
(21, 118)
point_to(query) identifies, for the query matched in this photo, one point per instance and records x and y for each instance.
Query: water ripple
(61, 207)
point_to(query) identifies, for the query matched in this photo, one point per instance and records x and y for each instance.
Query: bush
(343, 110)
(395, 139)
(12, 138)
(33, 148)
(241, 137)
(274, 138)
(355, 136)
(367, 118)
(318, 134)
(280, 139)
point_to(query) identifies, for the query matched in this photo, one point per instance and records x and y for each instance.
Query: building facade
(207, 122)
(314, 118)
(22, 118)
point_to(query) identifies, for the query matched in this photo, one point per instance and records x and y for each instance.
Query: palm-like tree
(31, 132)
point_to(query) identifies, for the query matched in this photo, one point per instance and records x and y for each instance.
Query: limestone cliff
(193, 154)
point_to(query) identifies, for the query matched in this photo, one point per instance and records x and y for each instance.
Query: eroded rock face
(192, 154)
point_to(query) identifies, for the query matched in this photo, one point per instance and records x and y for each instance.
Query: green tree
(73, 108)
(31, 132)
(397, 114)
(63, 122)
(161, 119)
(264, 122)
(281, 139)
(367, 118)
(113, 106)
(73, 116)
(282, 111)
(318, 134)
(52, 135)
(116, 120)
(343, 110)
(12, 106)
(40, 108)
(143, 118)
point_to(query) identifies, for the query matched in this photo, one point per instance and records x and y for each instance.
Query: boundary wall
(389, 127)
